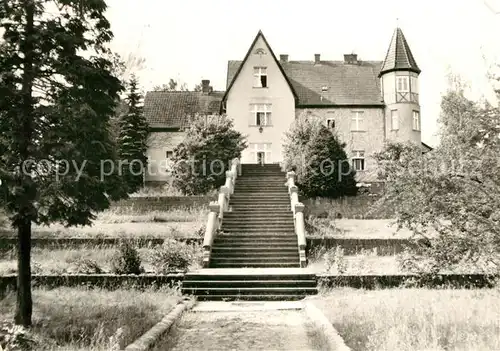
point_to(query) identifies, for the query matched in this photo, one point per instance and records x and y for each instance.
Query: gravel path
(243, 330)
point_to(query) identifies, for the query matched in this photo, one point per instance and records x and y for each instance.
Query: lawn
(126, 223)
(414, 319)
(69, 260)
(83, 319)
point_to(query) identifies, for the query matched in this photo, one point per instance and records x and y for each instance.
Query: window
(169, 155)
(394, 120)
(260, 115)
(416, 120)
(260, 77)
(358, 160)
(330, 123)
(402, 85)
(260, 152)
(357, 121)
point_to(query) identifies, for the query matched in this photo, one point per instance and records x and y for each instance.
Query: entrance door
(260, 153)
(261, 157)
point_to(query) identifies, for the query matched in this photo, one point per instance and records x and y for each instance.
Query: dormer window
(324, 88)
(260, 77)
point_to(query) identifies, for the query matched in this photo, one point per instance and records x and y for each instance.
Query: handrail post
(301, 233)
(210, 232)
(294, 196)
(223, 201)
(229, 181)
(290, 179)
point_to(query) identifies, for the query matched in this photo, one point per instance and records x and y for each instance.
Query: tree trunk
(24, 304)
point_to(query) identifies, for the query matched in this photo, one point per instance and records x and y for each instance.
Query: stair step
(251, 291)
(249, 283)
(252, 259)
(216, 297)
(256, 250)
(255, 264)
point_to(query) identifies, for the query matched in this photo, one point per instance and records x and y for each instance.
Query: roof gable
(236, 69)
(399, 56)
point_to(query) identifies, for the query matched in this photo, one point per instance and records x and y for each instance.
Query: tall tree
(57, 162)
(451, 195)
(133, 139)
(318, 157)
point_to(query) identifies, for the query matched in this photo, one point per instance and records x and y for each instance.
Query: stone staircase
(256, 256)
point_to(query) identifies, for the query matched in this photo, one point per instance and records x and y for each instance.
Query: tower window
(416, 120)
(330, 123)
(260, 77)
(358, 160)
(394, 120)
(402, 84)
(357, 121)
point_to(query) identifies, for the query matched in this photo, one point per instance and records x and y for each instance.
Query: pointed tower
(399, 82)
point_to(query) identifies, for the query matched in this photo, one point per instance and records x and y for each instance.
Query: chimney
(284, 58)
(317, 58)
(205, 86)
(351, 58)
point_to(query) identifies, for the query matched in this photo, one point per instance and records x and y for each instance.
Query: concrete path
(245, 326)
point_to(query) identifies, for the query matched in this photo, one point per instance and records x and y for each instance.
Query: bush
(172, 256)
(126, 260)
(319, 160)
(208, 146)
(87, 266)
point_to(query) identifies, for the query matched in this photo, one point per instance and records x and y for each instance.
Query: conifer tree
(133, 139)
(57, 161)
(317, 156)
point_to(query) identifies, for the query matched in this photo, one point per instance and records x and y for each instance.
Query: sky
(191, 40)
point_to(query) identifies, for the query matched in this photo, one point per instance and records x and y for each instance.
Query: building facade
(366, 102)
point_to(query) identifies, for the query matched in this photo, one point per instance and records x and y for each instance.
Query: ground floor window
(358, 160)
(260, 152)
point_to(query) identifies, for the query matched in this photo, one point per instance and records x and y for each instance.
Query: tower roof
(399, 56)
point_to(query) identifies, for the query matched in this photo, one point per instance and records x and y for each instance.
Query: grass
(63, 261)
(414, 319)
(127, 223)
(367, 262)
(83, 319)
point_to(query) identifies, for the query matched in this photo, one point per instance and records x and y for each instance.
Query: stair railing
(217, 209)
(298, 217)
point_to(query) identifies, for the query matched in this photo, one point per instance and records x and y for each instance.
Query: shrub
(172, 256)
(15, 337)
(87, 266)
(126, 260)
(209, 145)
(335, 258)
(317, 156)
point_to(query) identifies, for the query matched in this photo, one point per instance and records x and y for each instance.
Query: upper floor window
(330, 123)
(357, 121)
(416, 120)
(402, 84)
(169, 154)
(260, 115)
(260, 77)
(394, 120)
(358, 160)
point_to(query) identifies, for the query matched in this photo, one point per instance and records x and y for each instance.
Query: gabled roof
(171, 109)
(240, 66)
(399, 56)
(346, 84)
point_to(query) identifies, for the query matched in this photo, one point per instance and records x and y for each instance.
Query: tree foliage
(317, 156)
(132, 141)
(450, 195)
(55, 104)
(200, 161)
(173, 85)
